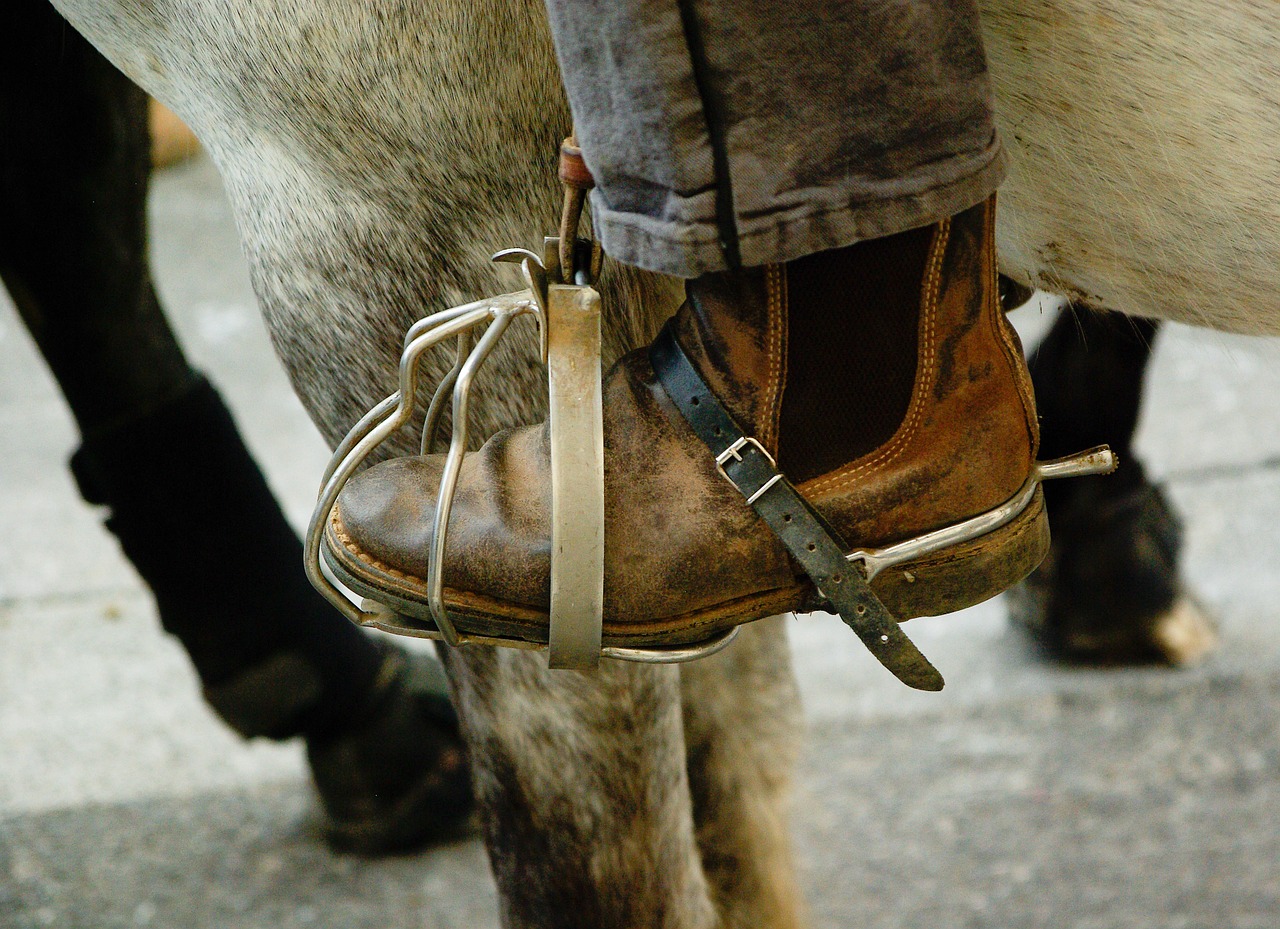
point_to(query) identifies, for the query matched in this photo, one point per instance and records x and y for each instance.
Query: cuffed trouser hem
(827, 218)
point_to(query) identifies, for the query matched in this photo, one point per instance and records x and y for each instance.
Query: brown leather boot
(883, 378)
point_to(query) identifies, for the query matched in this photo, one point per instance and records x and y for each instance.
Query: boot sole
(944, 582)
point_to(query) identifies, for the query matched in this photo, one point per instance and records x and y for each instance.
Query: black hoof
(1108, 593)
(397, 779)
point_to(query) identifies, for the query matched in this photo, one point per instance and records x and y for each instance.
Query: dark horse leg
(187, 503)
(1109, 590)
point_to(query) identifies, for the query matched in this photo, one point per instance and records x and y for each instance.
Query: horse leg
(74, 237)
(1109, 590)
(742, 732)
(637, 796)
(583, 789)
(160, 448)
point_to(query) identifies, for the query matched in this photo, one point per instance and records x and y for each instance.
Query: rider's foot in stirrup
(884, 380)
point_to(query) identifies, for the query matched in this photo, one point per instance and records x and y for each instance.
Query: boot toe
(498, 544)
(387, 512)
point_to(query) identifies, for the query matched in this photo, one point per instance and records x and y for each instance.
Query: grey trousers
(727, 133)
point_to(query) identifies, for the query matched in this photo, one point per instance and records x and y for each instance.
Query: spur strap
(743, 461)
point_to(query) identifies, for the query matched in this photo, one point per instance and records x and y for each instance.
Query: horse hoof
(1185, 635)
(1108, 593)
(1179, 637)
(396, 779)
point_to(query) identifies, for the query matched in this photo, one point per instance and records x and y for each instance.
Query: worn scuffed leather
(664, 502)
(680, 540)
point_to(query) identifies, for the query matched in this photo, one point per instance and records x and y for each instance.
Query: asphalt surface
(1023, 796)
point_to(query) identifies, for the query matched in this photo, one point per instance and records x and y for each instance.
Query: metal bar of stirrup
(382, 421)
(449, 479)
(576, 432)
(435, 410)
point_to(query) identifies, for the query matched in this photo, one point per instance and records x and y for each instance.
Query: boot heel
(969, 573)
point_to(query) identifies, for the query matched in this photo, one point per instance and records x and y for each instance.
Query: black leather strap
(746, 465)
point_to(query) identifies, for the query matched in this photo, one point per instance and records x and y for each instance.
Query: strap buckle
(734, 453)
(797, 525)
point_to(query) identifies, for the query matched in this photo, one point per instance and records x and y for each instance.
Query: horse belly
(1146, 144)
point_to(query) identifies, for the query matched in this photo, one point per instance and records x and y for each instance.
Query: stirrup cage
(568, 319)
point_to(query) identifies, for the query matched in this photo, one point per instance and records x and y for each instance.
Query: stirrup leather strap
(747, 466)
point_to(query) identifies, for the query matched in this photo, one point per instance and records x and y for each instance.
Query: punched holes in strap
(748, 466)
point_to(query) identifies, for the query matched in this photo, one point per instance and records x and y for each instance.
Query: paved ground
(1024, 796)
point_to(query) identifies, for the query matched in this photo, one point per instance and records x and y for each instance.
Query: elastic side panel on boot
(853, 320)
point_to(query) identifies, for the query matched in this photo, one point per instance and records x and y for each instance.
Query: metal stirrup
(380, 423)
(567, 308)
(568, 319)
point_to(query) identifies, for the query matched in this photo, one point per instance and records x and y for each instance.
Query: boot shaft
(883, 376)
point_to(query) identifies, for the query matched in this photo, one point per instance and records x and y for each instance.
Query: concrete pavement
(1023, 796)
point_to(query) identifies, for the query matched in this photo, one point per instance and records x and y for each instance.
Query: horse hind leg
(73, 183)
(1109, 591)
(743, 731)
